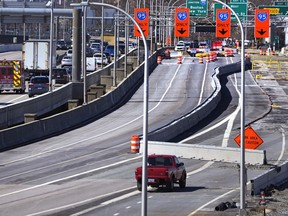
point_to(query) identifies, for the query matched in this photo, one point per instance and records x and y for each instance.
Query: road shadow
(175, 190)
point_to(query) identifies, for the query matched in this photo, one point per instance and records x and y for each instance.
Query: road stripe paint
(101, 134)
(69, 177)
(208, 203)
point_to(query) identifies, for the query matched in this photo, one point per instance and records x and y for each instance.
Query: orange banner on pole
(182, 22)
(141, 15)
(262, 23)
(223, 23)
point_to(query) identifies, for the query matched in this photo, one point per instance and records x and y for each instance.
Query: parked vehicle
(61, 45)
(110, 50)
(66, 61)
(38, 85)
(99, 60)
(69, 53)
(96, 47)
(108, 56)
(91, 64)
(163, 170)
(12, 76)
(60, 75)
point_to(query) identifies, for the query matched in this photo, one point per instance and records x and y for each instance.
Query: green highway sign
(198, 7)
(238, 1)
(275, 10)
(239, 8)
(281, 3)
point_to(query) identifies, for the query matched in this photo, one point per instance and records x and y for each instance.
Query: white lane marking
(233, 116)
(116, 199)
(81, 202)
(125, 196)
(16, 98)
(211, 201)
(71, 176)
(283, 147)
(63, 162)
(128, 207)
(101, 134)
(205, 166)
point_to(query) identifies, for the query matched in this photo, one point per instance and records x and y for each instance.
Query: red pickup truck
(162, 170)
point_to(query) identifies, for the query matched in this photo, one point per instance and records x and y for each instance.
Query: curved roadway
(90, 170)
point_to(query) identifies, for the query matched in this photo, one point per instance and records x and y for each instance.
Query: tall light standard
(51, 43)
(243, 177)
(145, 109)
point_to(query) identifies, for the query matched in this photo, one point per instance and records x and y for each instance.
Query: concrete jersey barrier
(275, 176)
(204, 152)
(59, 123)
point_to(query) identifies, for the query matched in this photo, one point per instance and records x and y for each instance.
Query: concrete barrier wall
(40, 129)
(200, 112)
(275, 176)
(14, 114)
(204, 152)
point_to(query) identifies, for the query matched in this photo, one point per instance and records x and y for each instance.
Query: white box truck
(36, 57)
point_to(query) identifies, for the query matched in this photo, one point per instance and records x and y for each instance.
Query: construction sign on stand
(252, 139)
(182, 22)
(223, 23)
(141, 15)
(262, 23)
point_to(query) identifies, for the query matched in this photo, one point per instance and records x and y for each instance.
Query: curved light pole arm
(145, 109)
(243, 176)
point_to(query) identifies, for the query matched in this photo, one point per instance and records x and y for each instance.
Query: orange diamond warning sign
(252, 139)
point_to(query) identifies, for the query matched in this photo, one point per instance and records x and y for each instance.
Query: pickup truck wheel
(182, 181)
(170, 185)
(139, 185)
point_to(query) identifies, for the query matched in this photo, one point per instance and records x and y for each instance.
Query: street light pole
(243, 177)
(51, 44)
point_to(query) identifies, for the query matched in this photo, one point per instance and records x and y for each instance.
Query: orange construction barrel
(159, 59)
(135, 144)
(179, 59)
(201, 59)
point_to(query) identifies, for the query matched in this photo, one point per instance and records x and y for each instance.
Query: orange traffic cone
(207, 58)
(159, 59)
(201, 59)
(179, 59)
(261, 51)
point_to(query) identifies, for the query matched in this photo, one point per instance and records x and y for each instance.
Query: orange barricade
(261, 51)
(201, 59)
(179, 59)
(159, 59)
(135, 144)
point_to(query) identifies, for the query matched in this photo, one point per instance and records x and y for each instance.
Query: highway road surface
(90, 170)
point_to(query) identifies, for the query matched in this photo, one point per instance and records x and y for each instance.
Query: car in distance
(69, 52)
(180, 47)
(38, 85)
(61, 45)
(99, 60)
(66, 61)
(60, 75)
(96, 47)
(163, 170)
